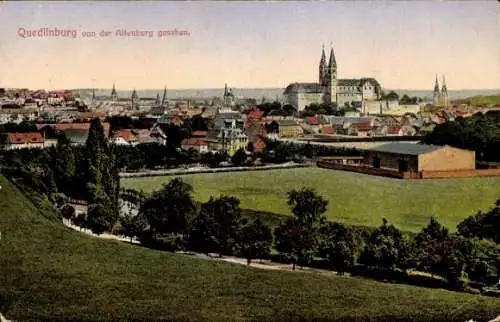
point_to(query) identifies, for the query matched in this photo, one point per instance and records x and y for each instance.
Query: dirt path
(262, 264)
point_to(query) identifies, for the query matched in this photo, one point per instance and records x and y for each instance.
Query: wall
(460, 174)
(360, 169)
(346, 97)
(290, 131)
(305, 99)
(391, 161)
(374, 107)
(178, 172)
(446, 159)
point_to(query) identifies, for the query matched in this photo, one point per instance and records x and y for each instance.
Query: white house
(195, 143)
(29, 140)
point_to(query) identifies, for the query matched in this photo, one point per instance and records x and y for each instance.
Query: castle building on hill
(331, 90)
(440, 97)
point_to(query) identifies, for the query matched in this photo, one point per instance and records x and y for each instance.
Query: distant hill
(480, 100)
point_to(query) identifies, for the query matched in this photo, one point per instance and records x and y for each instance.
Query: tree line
(479, 132)
(170, 219)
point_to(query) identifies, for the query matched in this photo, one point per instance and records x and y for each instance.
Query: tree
(170, 209)
(483, 264)
(295, 242)
(429, 244)
(383, 247)
(217, 227)
(81, 220)
(100, 217)
(239, 157)
(482, 225)
(64, 165)
(198, 123)
(255, 240)
(96, 152)
(250, 147)
(133, 225)
(68, 212)
(307, 207)
(338, 245)
(392, 96)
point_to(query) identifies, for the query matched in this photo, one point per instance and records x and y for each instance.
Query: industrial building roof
(406, 148)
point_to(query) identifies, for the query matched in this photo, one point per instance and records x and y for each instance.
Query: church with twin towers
(440, 96)
(329, 89)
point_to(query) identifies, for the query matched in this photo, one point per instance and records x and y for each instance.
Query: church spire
(164, 98)
(444, 94)
(322, 67)
(332, 63)
(444, 89)
(157, 102)
(93, 94)
(114, 95)
(436, 85)
(135, 100)
(436, 98)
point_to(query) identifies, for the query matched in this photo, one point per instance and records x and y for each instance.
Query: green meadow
(354, 198)
(49, 272)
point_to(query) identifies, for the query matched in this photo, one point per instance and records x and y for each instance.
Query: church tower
(332, 79)
(164, 102)
(93, 94)
(157, 101)
(135, 100)
(436, 98)
(114, 96)
(322, 68)
(444, 94)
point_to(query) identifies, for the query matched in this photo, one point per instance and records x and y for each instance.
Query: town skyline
(250, 45)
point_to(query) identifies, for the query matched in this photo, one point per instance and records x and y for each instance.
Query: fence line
(174, 172)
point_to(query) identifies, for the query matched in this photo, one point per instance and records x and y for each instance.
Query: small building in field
(420, 157)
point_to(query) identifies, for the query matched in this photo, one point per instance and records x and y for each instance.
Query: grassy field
(52, 273)
(354, 198)
(481, 100)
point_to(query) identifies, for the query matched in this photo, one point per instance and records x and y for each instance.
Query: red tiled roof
(126, 134)
(255, 114)
(327, 130)
(312, 120)
(365, 126)
(177, 120)
(393, 130)
(199, 133)
(258, 145)
(22, 138)
(142, 133)
(193, 142)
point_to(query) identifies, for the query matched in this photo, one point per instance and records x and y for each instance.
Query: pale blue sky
(253, 44)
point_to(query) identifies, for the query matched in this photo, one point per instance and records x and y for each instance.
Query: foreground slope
(354, 198)
(49, 272)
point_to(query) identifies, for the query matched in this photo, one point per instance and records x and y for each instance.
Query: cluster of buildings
(25, 98)
(234, 123)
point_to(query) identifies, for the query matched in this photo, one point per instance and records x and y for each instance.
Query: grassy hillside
(49, 272)
(480, 100)
(357, 199)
